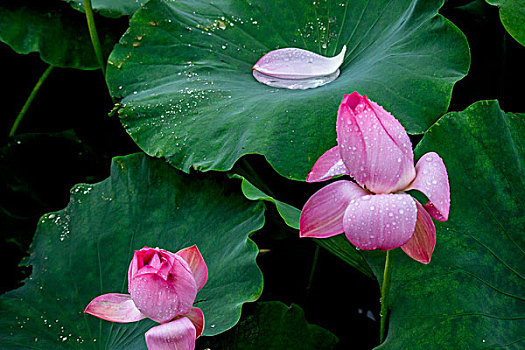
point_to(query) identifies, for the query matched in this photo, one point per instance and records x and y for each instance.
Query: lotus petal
(294, 63)
(383, 221)
(197, 318)
(178, 334)
(198, 267)
(421, 245)
(114, 307)
(322, 215)
(375, 147)
(327, 166)
(432, 180)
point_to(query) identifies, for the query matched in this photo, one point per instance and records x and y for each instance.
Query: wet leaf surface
(183, 73)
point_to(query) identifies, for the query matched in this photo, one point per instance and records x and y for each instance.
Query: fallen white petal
(294, 63)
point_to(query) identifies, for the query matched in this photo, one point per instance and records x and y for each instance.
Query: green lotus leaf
(183, 74)
(471, 295)
(272, 325)
(59, 34)
(512, 15)
(84, 251)
(110, 8)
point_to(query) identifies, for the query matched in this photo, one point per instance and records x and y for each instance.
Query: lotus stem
(94, 36)
(312, 271)
(24, 109)
(385, 290)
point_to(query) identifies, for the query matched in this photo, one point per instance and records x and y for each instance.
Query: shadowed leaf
(58, 33)
(272, 325)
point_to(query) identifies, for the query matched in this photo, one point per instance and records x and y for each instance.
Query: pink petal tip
(327, 166)
(197, 318)
(421, 245)
(432, 180)
(198, 267)
(322, 215)
(114, 307)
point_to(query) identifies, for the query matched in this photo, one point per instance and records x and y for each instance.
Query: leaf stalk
(94, 35)
(312, 271)
(385, 291)
(30, 99)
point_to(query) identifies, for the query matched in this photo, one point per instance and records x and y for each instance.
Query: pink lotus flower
(162, 286)
(374, 149)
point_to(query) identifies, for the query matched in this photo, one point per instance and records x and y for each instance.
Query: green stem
(312, 271)
(94, 36)
(385, 290)
(24, 109)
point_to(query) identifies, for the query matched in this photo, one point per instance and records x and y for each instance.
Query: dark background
(67, 137)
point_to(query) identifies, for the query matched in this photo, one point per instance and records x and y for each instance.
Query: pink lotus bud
(161, 284)
(374, 146)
